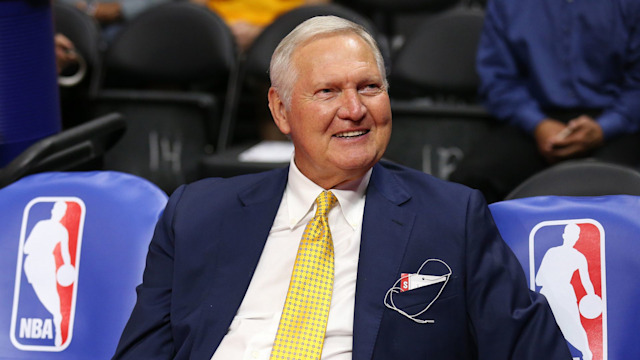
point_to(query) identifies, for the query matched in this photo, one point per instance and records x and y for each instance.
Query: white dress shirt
(254, 327)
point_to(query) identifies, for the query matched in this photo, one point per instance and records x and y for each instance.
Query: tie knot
(325, 202)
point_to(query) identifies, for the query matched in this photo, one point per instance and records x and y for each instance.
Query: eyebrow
(331, 83)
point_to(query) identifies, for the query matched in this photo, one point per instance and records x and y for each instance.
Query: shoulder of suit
(405, 173)
(231, 186)
(419, 183)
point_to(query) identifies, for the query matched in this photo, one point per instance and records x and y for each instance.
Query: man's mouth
(351, 134)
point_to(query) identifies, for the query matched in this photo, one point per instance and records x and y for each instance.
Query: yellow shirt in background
(256, 12)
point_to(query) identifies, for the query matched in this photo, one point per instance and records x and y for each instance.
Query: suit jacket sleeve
(509, 321)
(147, 334)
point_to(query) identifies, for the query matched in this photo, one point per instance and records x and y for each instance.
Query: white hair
(281, 70)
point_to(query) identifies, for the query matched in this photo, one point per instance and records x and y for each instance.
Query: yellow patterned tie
(304, 318)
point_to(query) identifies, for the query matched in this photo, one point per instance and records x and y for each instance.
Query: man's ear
(278, 111)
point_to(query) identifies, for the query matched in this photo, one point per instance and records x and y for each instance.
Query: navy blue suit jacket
(211, 235)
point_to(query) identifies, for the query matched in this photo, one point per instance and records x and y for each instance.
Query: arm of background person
(623, 116)
(109, 12)
(103, 12)
(502, 88)
(65, 51)
(579, 136)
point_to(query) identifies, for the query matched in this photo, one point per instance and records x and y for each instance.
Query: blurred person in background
(113, 14)
(563, 80)
(65, 52)
(247, 18)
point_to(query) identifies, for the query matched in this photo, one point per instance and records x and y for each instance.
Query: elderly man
(337, 256)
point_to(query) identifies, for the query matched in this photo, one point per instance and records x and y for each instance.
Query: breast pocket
(420, 302)
(422, 296)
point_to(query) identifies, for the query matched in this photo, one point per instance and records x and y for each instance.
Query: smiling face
(339, 118)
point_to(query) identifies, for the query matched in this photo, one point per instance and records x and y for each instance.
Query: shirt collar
(301, 194)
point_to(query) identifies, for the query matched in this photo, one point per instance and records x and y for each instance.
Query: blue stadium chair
(581, 252)
(73, 247)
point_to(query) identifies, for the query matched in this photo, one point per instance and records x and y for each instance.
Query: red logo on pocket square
(416, 280)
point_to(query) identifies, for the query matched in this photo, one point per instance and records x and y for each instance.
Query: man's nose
(352, 107)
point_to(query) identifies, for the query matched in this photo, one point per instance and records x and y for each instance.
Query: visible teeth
(351, 133)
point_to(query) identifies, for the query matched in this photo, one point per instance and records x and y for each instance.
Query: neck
(337, 180)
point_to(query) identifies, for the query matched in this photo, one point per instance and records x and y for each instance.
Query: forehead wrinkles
(347, 56)
(360, 73)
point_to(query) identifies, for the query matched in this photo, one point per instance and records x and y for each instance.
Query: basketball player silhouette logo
(566, 275)
(40, 265)
(45, 295)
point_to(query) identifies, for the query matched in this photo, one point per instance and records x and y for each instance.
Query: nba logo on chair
(567, 266)
(581, 252)
(46, 282)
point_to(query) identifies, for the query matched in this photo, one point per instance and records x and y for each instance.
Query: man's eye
(371, 88)
(324, 92)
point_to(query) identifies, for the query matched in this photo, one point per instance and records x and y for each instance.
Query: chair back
(176, 43)
(79, 82)
(390, 15)
(167, 72)
(581, 253)
(407, 5)
(84, 33)
(436, 117)
(73, 251)
(580, 178)
(259, 54)
(68, 150)
(438, 59)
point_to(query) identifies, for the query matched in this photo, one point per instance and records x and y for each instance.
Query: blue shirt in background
(537, 55)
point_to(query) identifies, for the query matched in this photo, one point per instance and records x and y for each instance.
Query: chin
(358, 163)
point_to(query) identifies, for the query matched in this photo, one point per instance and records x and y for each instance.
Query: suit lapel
(385, 231)
(244, 233)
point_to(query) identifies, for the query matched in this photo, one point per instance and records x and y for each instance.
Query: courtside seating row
(74, 245)
(188, 98)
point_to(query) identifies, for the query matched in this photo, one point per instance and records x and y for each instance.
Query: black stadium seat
(68, 150)
(167, 72)
(436, 117)
(79, 83)
(580, 178)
